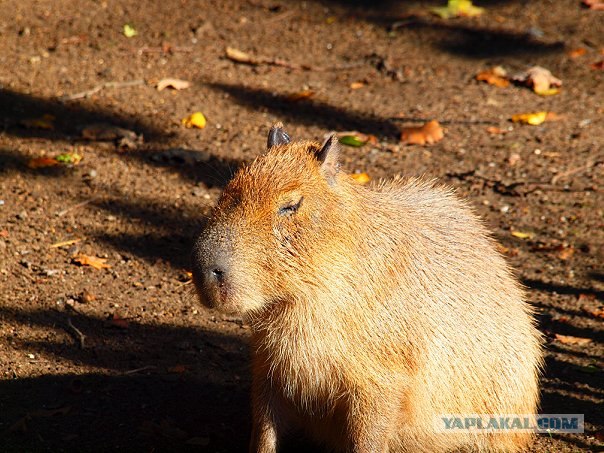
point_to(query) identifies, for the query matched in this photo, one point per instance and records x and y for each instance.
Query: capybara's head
(263, 241)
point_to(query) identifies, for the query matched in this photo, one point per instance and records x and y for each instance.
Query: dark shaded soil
(176, 378)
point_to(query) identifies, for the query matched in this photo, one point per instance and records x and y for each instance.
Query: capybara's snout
(211, 266)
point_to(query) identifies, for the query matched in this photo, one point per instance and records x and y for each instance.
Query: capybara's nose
(217, 275)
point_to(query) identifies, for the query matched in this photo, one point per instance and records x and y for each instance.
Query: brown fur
(373, 309)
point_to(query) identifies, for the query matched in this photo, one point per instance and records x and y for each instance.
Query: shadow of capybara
(374, 309)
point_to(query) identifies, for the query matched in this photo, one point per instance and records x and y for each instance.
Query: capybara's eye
(290, 208)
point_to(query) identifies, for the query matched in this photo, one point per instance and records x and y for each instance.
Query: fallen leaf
(540, 80)
(494, 130)
(46, 121)
(567, 339)
(599, 65)
(3, 233)
(129, 31)
(240, 56)
(496, 76)
(92, 261)
(534, 119)
(456, 8)
(522, 235)
(361, 178)
(576, 53)
(595, 312)
(596, 5)
(566, 253)
(194, 120)
(356, 85)
(177, 84)
(429, 133)
(304, 94)
(117, 321)
(42, 162)
(69, 158)
(352, 140)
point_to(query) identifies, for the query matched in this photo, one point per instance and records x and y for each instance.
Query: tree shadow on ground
(562, 289)
(474, 41)
(169, 231)
(193, 393)
(69, 118)
(159, 388)
(459, 37)
(308, 112)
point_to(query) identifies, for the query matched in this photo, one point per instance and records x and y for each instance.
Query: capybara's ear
(328, 156)
(277, 136)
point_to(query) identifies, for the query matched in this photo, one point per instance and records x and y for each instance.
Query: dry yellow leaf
(534, 119)
(239, 56)
(304, 94)
(427, 134)
(540, 80)
(456, 8)
(194, 120)
(177, 84)
(567, 339)
(522, 235)
(361, 178)
(495, 76)
(92, 261)
(548, 92)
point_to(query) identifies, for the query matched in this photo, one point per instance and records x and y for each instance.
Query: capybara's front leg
(265, 435)
(370, 423)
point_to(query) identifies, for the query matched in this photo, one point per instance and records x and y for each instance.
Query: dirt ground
(158, 372)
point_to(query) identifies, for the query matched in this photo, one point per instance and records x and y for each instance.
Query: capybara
(373, 309)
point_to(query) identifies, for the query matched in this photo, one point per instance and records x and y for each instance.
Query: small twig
(280, 17)
(96, 89)
(138, 370)
(164, 49)
(75, 206)
(77, 333)
(64, 243)
(590, 163)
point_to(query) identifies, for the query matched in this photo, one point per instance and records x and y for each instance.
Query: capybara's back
(376, 311)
